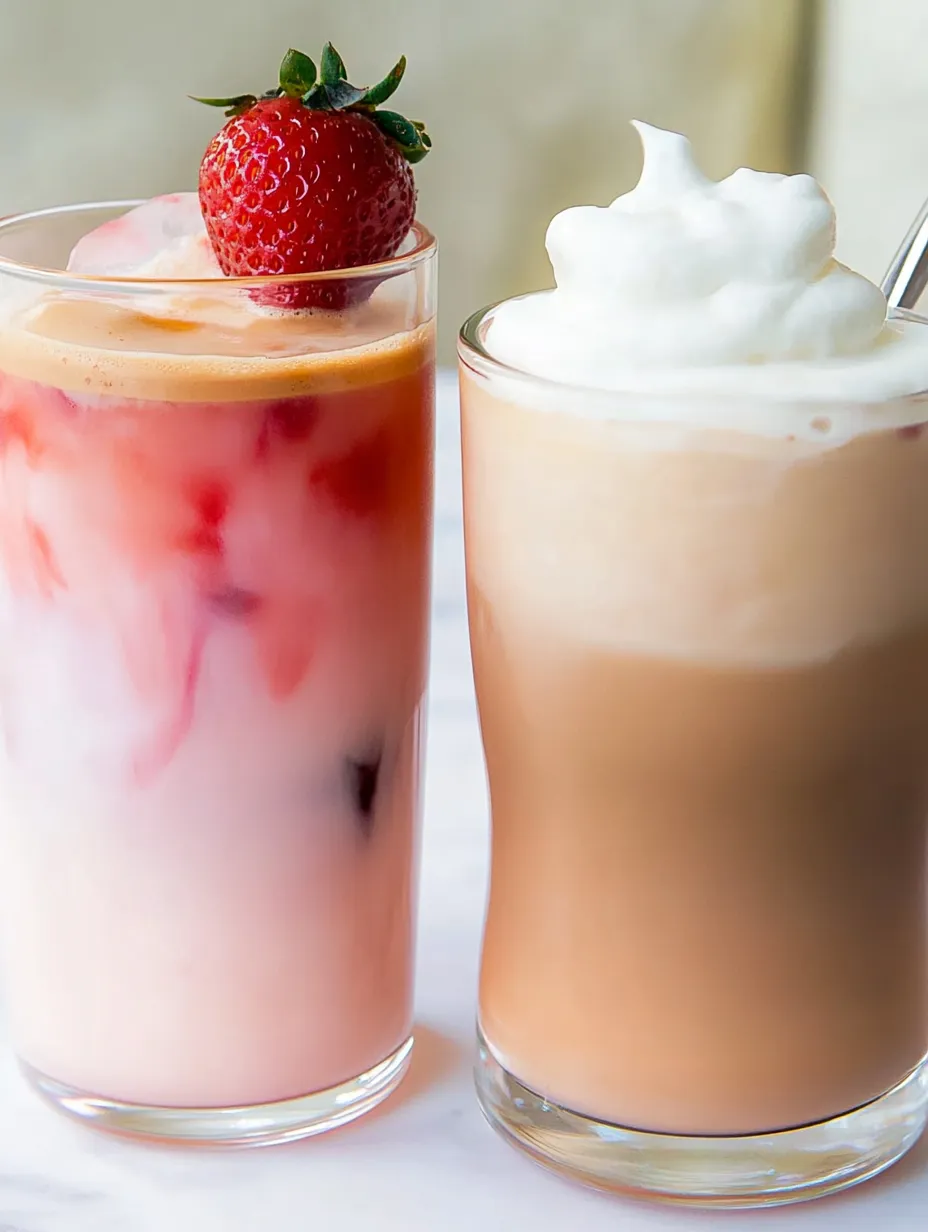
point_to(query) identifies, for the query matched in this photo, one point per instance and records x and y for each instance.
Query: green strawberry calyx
(328, 89)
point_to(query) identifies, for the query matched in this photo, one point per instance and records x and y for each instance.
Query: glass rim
(471, 347)
(425, 245)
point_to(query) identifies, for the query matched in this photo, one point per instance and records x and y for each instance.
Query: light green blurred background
(528, 102)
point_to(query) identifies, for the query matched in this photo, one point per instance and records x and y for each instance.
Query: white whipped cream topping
(688, 284)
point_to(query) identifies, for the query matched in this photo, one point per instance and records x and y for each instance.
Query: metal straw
(907, 275)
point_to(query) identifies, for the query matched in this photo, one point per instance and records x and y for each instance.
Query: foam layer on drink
(193, 336)
(217, 352)
(685, 286)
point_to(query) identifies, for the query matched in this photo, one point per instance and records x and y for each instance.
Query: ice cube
(164, 237)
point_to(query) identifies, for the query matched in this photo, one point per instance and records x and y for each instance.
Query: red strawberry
(311, 177)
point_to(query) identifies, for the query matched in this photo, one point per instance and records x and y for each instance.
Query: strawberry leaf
(373, 96)
(331, 67)
(232, 106)
(297, 74)
(317, 99)
(396, 127)
(417, 154)
(411, 138)
(341, 95)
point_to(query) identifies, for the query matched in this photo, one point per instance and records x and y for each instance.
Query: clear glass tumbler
(701, 661)
(215, 529)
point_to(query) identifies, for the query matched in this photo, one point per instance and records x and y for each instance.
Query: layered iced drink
(696, 510)
(214, 584)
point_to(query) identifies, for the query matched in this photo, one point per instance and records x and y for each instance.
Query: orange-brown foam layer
(208, 349)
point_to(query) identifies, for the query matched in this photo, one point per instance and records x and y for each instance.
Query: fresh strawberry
(311, 177)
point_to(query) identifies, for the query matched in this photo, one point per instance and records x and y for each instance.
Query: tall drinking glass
(701, 660)
(214, 581)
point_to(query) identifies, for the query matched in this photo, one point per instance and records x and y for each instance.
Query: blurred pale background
(527, 101)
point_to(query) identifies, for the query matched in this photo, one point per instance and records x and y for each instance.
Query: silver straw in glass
(907, 276)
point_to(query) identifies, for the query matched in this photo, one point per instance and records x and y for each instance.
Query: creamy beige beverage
(703, 684)
(696, 510)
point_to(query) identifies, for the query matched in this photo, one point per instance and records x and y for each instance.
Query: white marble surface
(426, 1161)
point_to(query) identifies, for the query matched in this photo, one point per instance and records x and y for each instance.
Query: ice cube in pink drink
(164, 237)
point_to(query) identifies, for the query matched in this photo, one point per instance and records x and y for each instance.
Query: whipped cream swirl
(687, 273)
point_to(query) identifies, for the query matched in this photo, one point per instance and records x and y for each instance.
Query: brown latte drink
(698, 598)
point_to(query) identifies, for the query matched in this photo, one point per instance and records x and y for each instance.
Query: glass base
(757, 1170)
(251, 1125)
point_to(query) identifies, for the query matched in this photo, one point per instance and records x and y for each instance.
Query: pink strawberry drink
(214, 581)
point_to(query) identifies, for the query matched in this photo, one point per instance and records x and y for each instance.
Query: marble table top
(426, 1161)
